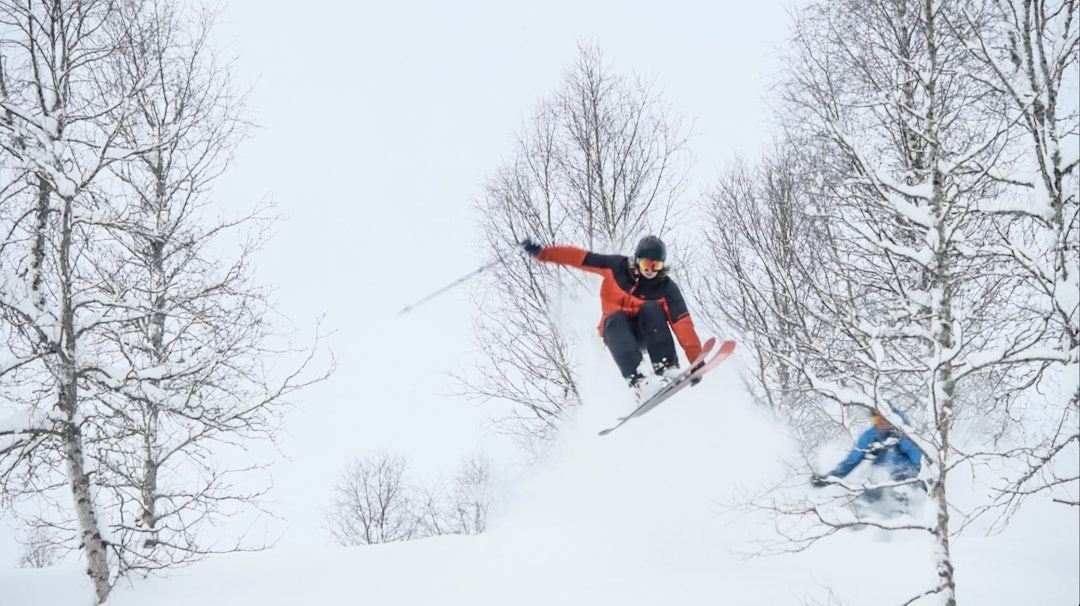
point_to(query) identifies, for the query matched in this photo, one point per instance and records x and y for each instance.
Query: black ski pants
(626, 337)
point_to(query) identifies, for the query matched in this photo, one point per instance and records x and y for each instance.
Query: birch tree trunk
(889, 108)
(1031, 58)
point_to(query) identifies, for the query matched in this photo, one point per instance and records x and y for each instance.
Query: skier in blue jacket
(886, 448)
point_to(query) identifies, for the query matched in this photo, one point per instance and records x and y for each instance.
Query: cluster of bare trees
(912, 241)
(601, 162)
(1035, 70)
(376, 501)
(136, 355)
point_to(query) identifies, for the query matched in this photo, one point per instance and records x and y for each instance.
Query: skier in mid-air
(638, 301)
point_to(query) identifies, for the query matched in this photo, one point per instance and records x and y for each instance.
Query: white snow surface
(638, 517)
(633, 518)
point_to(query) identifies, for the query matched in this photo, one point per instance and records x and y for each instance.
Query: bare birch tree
(600, 163)
(461, 507)
(190, 382)
(40, 548)
(142, 357)
(59, 124)
(938, 153)
(900, 302)
(1030, 56)
(375, 502)
(763, 256)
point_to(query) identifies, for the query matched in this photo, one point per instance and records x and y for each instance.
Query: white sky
(380, 123)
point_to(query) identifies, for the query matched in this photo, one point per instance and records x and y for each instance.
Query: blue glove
(530, 247)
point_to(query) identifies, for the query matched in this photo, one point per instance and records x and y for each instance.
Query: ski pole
(459, 281)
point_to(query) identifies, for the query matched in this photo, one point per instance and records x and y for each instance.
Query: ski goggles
(650, 265)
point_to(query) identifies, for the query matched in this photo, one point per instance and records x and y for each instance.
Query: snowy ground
(634, 518)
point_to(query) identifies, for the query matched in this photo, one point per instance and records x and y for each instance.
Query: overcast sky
(379, 124)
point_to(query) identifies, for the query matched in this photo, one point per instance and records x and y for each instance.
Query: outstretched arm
(563, 255)
(580, 258)
(853, 459)
(856, 455)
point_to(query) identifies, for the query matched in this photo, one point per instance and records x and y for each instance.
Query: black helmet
(652, 248)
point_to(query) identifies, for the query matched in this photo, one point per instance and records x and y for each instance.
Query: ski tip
(727, 347)
(606, 431)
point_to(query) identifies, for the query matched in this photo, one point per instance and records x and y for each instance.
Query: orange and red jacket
(623, 289)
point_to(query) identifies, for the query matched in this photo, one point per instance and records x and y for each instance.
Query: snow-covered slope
(638, 517)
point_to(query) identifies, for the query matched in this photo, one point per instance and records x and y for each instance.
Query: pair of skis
(688, 377)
